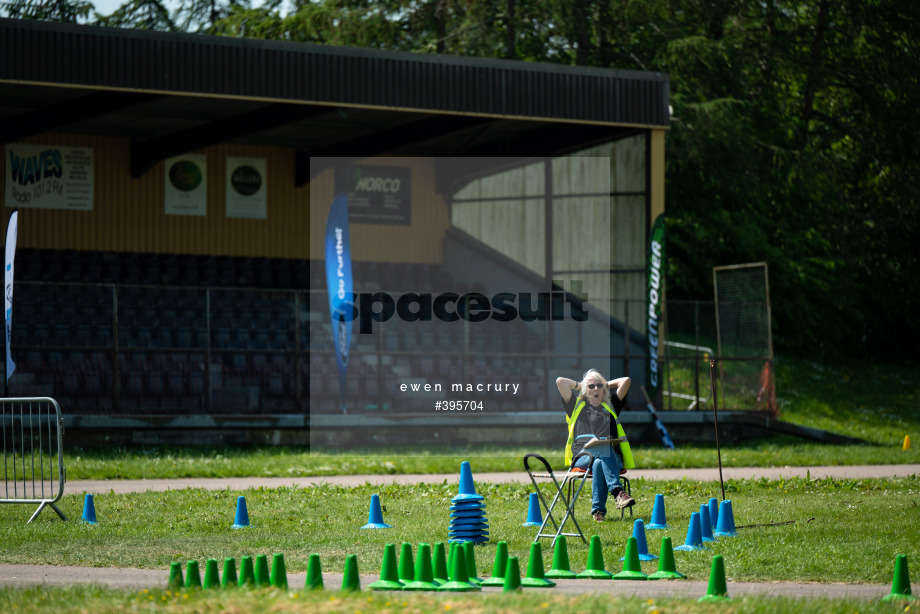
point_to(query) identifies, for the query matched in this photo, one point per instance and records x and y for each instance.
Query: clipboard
(595, 441)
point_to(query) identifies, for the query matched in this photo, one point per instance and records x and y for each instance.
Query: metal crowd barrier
(33, 452)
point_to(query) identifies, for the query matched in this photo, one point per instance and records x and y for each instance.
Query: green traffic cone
(632, 570)
(900, 582)
(595, 570)
(211, 579)
(451, 553)
(499, 567)
(262, 577)
(717, 590)
(389, 577)
(439, 564)
(471, 563)
(666, 568)
(175, 577)
(247, 576)
(192, 575)
(314, 579)
(279, 572)
(459, 580)
(536, 578)
(228, 579)
(512, 576)
(351, 581)
(406, 569)
(561, 567)
(424, 580)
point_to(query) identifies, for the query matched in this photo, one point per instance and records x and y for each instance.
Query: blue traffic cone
(89, 509)
(375, 516)
(467, 488)
(534, 518)
(713, 512)
(706, 524)
(658, 520)
(726, 524)
(242, 514)
(641, 543)
(694, 539)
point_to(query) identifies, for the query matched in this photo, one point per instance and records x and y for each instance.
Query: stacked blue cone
(467, 512)
(375, 515)
(534, 518)
(725, 527)
(658, 520)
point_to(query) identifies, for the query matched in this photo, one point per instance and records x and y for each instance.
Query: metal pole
(715, 417)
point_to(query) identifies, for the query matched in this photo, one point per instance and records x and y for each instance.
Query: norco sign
(376, 194)
(370, 307)
(378, 184)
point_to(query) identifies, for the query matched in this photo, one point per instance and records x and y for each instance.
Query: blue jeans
(605, 475)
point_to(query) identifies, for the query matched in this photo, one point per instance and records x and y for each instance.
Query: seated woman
(589, 415)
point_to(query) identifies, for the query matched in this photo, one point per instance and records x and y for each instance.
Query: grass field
(99, 601)
(840, 531)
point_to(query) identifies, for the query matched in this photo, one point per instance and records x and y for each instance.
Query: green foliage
(67, 11)
(141, 15)
(786, 146)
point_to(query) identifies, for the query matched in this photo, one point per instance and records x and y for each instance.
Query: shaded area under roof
(174, 93)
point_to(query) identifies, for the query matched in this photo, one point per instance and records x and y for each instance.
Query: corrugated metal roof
(110, 58)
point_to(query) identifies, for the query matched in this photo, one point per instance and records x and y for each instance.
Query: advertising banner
(49, 177)
(246, 188)
(339, 285)
(377, 194)
(654, 299)
(186, 190)
(11, 232)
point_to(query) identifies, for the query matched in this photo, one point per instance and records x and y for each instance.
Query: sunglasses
(593, 386)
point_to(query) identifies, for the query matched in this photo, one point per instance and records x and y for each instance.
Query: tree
(203, 15)
(141, 15)
(68, 11)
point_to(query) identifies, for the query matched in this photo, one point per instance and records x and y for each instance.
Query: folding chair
(567, 491)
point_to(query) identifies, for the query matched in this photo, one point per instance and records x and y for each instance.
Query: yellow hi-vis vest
(628, 462)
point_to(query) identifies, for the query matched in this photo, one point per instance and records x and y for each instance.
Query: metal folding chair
(567, 491)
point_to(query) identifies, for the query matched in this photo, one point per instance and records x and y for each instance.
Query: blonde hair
(592, 375)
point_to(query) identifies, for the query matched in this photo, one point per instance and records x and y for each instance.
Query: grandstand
(136, 314)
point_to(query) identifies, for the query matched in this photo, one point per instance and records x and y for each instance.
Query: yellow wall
(419, 242)
(129, 214)
(657, 174)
